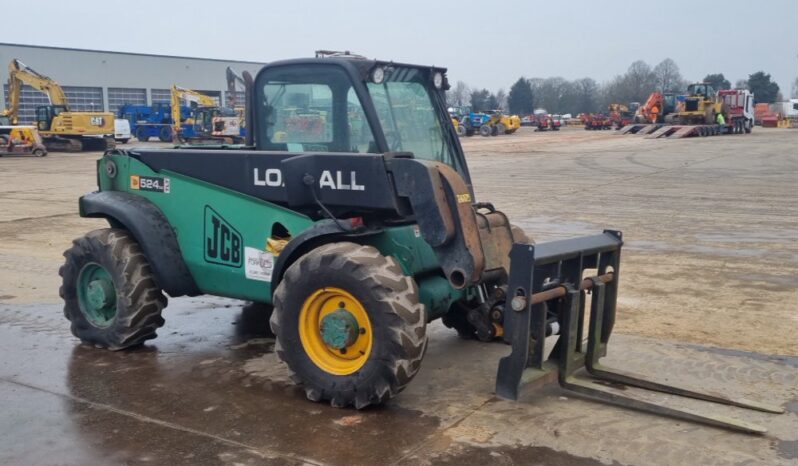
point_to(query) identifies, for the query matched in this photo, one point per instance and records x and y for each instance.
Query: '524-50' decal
(150, 183)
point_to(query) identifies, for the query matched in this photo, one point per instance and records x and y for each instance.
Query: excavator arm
(234, 80)
(20, 74)
(656, 99)
(180, 93)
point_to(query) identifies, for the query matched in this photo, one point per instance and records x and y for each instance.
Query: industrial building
(102, 80)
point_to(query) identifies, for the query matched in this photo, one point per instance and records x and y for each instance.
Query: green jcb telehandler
(350, 209)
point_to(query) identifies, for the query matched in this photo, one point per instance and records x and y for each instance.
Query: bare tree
(794, 93)
(741, 84)
(667, 75)
(587, 95)
(537, 84)
(501, 99)
(640, 81)
(550, 93)
(459, 95)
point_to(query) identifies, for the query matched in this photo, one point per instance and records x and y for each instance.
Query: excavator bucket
(547, 295)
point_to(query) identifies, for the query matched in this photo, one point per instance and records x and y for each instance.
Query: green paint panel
(418, 259)
(406, 245)
(223, 233)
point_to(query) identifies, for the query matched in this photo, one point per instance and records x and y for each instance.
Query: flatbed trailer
(657, 131)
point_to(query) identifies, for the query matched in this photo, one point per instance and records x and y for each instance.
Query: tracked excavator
(61, 128)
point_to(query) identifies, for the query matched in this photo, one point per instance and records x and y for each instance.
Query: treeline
(559, 95)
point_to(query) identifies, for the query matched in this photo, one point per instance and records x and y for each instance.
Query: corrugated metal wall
(118, 96)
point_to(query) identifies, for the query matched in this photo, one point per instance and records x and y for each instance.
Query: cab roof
(362, 65)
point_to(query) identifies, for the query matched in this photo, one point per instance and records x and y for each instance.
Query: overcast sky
(484, 43)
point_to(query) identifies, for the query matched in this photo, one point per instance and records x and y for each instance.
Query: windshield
(317, 108)
(409, 117)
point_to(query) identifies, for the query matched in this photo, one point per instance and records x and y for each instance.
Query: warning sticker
(258, 265)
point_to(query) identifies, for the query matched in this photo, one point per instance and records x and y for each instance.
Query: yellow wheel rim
(335, 331)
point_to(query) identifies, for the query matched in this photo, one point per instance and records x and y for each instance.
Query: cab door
(44, 118)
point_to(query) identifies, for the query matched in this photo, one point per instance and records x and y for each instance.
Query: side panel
(418, 259)
(222, 234)
(408, 247)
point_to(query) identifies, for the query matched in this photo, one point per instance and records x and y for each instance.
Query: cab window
(311, 109)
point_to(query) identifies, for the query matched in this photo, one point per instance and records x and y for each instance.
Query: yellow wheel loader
(700, 107)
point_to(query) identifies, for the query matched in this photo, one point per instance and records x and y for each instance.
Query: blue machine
(151, 121)
(472, 122)
(155, 121)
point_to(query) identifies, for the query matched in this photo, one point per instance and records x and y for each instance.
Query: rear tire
(485, 130)
(395, 320)
(120, 304)
(39, 152)
(165, 134)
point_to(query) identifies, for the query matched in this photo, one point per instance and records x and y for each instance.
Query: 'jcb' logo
(223, 243)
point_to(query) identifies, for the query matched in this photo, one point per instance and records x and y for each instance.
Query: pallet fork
(547, 295)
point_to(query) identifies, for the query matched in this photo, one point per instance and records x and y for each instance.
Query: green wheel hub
(96, 294)
(339, 329)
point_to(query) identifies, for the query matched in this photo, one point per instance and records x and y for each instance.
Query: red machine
(544, 121)
(596, 121)
(620, 116)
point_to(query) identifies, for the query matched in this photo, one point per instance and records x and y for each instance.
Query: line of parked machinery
(59, 127)
(202, 119)
(467, 122)
(705, 110)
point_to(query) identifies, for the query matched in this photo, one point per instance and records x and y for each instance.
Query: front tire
(349, 325)
(142, 134)
(109, 290)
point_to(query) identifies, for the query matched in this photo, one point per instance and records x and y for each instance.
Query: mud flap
(547, 295)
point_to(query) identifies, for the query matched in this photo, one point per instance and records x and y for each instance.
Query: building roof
(130, 53)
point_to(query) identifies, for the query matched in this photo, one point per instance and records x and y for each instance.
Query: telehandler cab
(350, 209)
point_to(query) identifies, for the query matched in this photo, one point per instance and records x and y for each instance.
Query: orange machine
(656, 108)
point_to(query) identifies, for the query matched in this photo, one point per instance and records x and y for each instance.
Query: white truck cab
(121, 130)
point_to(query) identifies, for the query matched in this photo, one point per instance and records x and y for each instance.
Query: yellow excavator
(208, 121)
(61, 128)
